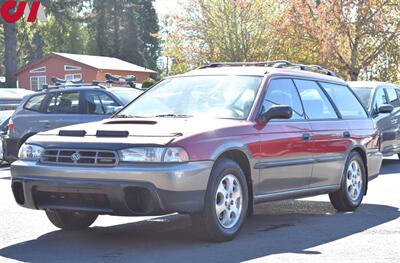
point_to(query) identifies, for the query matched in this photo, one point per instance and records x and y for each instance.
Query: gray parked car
(4, 118)
(62, 106)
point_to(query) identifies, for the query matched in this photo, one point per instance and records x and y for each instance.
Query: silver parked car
(62, 106)
(11, 98)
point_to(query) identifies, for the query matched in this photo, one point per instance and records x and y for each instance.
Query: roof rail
(244, 64)
(274, 64)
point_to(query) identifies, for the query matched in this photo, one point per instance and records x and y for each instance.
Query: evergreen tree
(149, 29)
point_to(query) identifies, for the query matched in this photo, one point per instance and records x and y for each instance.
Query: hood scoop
(112, 134)
(72, 133)
(142, 122)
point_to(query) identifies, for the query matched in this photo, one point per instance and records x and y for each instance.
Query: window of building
(71, 68)
(316, 105)
(37, 82)
(38, 70)
(72, 77)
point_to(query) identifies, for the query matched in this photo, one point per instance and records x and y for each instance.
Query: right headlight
(29, 152)
(154, 155)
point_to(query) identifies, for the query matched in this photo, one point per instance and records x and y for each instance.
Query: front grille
(80, 157)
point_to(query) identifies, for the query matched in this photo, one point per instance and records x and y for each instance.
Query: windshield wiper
(172, 116)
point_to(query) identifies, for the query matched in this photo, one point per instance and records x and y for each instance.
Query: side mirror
(387, 108)
(110, 110)
(276, 112)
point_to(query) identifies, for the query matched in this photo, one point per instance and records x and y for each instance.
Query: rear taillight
(10, 125)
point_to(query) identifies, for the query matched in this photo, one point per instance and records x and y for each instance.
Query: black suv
(383, 103)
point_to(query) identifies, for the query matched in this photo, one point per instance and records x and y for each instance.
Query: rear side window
(97, 102)
(34, 103)
(347, 104)
(283, 92)
(64, 103)
(316, 105)
(393, 99)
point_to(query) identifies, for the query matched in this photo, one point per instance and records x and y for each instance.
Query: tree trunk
(353, 74)
(10, 54)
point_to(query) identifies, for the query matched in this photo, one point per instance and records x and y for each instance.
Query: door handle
(346, 134)
(306, 137)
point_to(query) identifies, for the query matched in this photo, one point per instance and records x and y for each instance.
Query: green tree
(149, 31)
(350, 36)
(221, 30)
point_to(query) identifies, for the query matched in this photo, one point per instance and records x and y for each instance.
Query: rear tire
(353, 185)
(226, 203)
(71, 220)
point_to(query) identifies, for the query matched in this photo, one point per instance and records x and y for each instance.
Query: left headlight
(30, 152)
(154, 155)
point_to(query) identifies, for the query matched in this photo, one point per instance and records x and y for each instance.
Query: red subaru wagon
(210, 143)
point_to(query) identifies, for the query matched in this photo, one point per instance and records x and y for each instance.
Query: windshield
(127, 95)
(364, 94)
(229, 97)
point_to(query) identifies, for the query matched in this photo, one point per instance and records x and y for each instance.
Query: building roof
(98, 62)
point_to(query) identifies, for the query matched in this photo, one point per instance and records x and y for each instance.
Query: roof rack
(62, 83)
(274, 64)
(110, 79)
(113, 79)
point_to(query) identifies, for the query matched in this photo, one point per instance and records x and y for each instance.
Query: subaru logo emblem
(75, 157)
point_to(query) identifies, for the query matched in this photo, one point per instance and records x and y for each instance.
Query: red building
(73, 66)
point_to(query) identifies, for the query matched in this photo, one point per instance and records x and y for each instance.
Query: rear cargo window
(34, 103)
(346, 102)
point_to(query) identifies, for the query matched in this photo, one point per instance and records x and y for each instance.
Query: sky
(164, 7)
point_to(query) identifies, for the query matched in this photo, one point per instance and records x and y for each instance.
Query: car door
(62, 108)
(96, 105)
(328, 136)
(394, 130)
(285, 159)
(383, 120)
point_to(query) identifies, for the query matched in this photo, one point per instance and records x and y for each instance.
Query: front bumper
(145, 189)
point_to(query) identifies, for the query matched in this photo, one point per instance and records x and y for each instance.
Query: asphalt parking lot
(305, 230)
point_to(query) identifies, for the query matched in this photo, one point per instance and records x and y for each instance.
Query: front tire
(71, 220)
(226, 203)
(353, 185)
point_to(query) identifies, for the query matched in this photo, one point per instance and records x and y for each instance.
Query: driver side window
(380, 99)
(283, 92)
